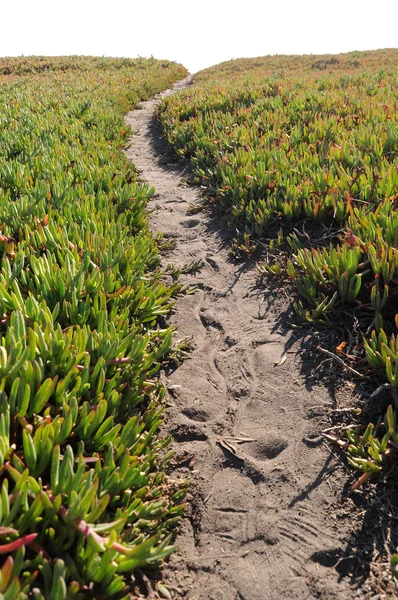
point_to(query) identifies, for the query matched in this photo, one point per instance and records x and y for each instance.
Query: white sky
(196, 33)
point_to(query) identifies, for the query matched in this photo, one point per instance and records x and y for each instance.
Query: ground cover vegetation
(84, 499)
(302, 153)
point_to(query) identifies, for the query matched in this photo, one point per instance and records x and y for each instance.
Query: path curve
(246, 428)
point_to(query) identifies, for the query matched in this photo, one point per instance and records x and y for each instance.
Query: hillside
(299, 155)
(84, 498)
(273, 182)
(302, 153)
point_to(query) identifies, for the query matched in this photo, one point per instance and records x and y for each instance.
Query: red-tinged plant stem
(119, 548)
(85, 529)
(80, 525)
(363, 479)
(37, 548)
(12, 546)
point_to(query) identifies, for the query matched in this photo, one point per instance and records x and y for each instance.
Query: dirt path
(264, 491)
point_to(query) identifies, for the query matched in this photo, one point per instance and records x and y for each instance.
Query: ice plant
(84, 498)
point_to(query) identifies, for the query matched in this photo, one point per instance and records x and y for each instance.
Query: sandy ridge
(262, 523)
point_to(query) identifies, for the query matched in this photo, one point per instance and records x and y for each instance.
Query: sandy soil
(265, 489)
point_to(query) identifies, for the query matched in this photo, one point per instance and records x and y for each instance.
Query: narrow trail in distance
(262, 522)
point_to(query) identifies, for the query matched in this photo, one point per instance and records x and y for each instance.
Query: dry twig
(341, 361)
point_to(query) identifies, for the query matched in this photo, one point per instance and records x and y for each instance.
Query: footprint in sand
(267, 447)
(190, 223)
(196, 414)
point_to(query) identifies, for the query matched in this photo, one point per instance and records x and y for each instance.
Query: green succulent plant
(84, 497)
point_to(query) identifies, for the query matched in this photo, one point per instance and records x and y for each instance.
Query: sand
(262, 519)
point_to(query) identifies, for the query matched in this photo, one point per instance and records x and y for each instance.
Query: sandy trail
(262, 524)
